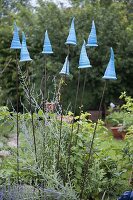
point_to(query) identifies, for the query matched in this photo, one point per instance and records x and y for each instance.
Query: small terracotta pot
(117, 133)
(50, 106)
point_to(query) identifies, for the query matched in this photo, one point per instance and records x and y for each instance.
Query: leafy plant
(106, 171)
(6, 122)
(115, 118)
(124, 116)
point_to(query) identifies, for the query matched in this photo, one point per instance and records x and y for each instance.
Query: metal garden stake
(16, 45)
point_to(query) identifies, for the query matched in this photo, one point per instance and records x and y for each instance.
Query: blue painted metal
(128, 195)
(24, 55)
(47, 48)
(71, 39)
(15, 44)
(110, 70)
(84, 61)
(65, 68)
(92, 39)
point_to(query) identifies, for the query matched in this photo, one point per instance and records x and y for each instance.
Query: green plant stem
(91, 146)
(60, 136)
(32, 117)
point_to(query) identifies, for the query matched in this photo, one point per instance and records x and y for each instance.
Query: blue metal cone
(110, 70)
(71, 39)
(84, 60)
(92, 39)
(15, 44)
(47, 48)
(24, 55)
(65, 68)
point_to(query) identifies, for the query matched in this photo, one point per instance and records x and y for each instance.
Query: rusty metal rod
(91, 146)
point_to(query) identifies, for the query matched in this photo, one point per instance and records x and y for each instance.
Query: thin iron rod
(75, 106)
(17, 91)
(62, 109)
(81, 103)
(60, 137)
(32, 117)
(44, 104)
(76, 98)
(92, 142)
(45, 85)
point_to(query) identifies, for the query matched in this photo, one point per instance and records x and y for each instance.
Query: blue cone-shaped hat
(110, 70)
(71, 39)
(15, 44)
(47, 48)
(84, 60)
(65, 68)
(92, 39)
(24, 55)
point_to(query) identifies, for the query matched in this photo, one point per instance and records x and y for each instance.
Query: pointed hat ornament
(110, 70)
(24, 54)
(92, 39)
(65, 68)
(47, 48)
(71, 39)
(15, 44)
(84, 60)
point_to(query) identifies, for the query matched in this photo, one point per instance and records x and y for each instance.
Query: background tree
(114, 23)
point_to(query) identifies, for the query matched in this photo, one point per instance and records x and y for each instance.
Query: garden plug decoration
(84, 61)
(110, 70)
(15, 44)
(92, 39)
(24, 55)
(71, 39)
(65, 68)
(47, 48)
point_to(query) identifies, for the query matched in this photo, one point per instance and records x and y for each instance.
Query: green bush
(124, 115)
(109, 167)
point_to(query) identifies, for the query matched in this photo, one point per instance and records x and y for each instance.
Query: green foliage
(115, 118)
(124, 116)
(108, 170)
(6, 122)
(128, 105)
